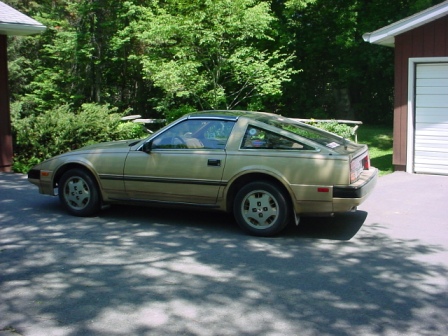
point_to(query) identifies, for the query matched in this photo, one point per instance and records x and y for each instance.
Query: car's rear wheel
(79, 193)
(261, 209)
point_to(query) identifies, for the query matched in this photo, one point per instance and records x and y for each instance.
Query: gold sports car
(264, 168)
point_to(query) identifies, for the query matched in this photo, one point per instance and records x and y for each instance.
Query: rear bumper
(349, 197)
(360, 188)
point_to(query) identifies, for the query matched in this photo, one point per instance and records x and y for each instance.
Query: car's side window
(195, 134)
(258, 138)
(216, 134)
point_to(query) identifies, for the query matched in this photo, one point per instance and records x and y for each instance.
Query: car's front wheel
(261, 209)
(79, 193)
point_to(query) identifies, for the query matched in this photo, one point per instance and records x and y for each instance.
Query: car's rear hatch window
(331, 141)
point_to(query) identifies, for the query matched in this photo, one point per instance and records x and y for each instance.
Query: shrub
(176, 113)
(39, 137)
(333, 126)
(131, 130)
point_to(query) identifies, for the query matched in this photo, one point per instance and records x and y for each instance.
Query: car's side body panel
(308, 175)
(105, 164)
(158, 176)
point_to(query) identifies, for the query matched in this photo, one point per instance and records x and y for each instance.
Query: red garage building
(421, 89)
(12, 22)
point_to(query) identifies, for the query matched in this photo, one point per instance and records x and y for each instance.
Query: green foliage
(208, 53)
(131, 130)
(300, 58)
(77, 60)
(297, 4)
(176, 113)
(343, 76)
(39, 137)
(333, 126)
(380, 142)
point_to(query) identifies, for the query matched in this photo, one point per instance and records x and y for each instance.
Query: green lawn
(379, 140)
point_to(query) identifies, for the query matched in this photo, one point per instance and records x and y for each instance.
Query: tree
(208, 53)
(342, 76)
(303, 58)
(76, 60)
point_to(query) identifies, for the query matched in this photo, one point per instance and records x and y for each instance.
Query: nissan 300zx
(266, 169)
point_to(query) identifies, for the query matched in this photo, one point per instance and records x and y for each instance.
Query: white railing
(347, 122)
(139, 120)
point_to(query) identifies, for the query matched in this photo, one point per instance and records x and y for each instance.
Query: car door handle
(214, 162)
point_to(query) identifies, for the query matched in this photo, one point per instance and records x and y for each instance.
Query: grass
(379, 140)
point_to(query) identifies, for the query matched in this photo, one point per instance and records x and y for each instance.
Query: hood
(122, 144)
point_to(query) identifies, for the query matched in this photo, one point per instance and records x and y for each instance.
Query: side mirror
(147, 146)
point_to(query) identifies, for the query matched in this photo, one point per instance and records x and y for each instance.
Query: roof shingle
(13, 22)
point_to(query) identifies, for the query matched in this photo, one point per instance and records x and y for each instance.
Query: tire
(78, 193)
(261, 209)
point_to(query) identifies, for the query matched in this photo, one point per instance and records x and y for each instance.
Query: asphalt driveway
(382, 270)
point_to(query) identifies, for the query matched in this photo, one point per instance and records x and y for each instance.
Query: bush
(176, 113)
(39, 137)
(131, 130)
(333, 126)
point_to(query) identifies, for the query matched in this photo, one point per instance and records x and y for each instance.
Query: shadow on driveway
(147, 271)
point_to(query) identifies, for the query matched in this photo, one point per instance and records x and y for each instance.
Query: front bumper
(42, 179)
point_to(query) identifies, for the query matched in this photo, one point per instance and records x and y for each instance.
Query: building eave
(13, 22)
(18, 29)
(386, 36)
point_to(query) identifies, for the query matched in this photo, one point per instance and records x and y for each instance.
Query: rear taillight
(366, 162)
(357, 166)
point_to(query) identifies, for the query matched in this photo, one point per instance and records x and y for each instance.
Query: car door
(184, 164)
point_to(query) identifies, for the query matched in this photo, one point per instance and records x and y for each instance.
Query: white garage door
(431, 119)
